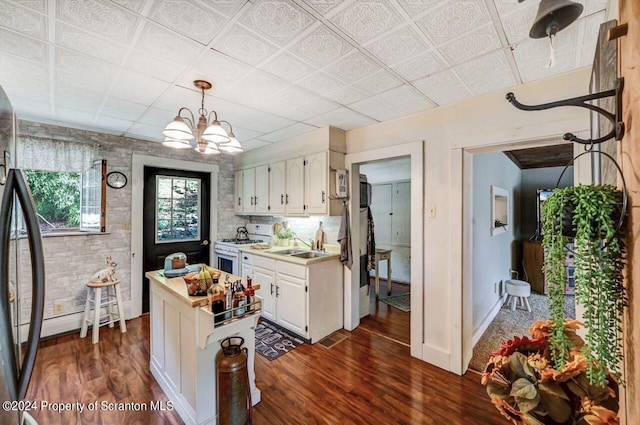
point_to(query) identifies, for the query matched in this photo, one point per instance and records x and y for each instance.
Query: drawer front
(246, 259)
(264, 262)
(291, 269)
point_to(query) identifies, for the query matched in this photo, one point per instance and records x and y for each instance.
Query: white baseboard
(63, 324)
(477, 334)
(436, 356)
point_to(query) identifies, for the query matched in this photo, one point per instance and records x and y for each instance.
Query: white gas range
(227, 254)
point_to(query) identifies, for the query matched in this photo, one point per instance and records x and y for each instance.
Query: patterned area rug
(401, 302)
(273, 341)
(509, 323)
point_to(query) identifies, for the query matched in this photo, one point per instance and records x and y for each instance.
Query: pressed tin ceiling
(279, 68)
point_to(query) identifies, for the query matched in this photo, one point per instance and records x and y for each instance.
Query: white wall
(483, 124)
(493, 255)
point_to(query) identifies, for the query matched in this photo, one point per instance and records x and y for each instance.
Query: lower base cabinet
(305, 299)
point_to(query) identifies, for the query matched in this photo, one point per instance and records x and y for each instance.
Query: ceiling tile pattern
(278, 20)
(196, 22)
(364, 19)
(23, 20)
(279, 68)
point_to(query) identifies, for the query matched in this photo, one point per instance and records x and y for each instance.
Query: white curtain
(36, 153)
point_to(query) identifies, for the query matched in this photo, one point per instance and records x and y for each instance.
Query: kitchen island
(184, 344)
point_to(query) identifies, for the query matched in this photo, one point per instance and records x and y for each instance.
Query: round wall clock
(116, 180)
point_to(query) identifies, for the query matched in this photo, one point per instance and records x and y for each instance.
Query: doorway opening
(413, 156)
(514, 255)
(386, 309)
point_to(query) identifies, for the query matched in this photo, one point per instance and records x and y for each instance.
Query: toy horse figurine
(106, 274)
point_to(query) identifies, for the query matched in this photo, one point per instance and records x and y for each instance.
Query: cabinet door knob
(287, 199)
(277, 291)
(238, 201)
(323, 196)
(281, 199)
(272, 289)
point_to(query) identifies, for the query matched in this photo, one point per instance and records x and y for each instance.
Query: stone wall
(71, 260)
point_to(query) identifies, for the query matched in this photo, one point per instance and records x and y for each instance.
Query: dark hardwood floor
(387, 321)
(365, 379)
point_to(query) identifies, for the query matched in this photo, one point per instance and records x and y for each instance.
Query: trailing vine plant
(599, 259)
(555, 272)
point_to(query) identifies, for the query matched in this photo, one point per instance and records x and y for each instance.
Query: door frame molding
(138, 162)
(415, 151)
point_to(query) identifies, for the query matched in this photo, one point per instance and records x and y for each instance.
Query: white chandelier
(210, 137)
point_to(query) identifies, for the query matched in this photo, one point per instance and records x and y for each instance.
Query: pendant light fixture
(553, 16)
(210, 137)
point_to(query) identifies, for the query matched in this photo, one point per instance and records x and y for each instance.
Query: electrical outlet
(58, 308)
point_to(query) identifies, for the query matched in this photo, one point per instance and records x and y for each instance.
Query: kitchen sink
(309, 254)
(289, 251)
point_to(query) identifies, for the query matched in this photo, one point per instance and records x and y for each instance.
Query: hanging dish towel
(371, 242)
(344, 238)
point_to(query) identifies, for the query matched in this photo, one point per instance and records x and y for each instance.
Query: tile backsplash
(305, 227)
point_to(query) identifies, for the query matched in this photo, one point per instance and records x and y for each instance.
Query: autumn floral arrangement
(526, 388)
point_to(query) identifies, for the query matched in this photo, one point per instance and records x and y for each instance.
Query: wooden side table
(381, 255)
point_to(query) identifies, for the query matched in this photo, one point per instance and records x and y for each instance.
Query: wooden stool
(113, 304)
(518, 290)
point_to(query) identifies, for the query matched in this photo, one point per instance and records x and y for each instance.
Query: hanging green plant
(599, 255)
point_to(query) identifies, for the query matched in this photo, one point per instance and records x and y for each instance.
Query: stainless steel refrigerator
(21, 275)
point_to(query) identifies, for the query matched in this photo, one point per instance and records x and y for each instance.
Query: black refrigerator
(21, 275)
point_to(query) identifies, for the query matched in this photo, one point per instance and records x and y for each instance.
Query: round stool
(518, 290)
(112, 304)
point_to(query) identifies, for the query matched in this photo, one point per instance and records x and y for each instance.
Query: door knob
(204, 242)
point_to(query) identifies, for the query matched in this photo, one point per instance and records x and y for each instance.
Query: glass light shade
(233, 146)
(178, 130)
(215, 133)
(207, 148)
(176, 144)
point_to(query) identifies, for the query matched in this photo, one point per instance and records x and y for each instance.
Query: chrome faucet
(309, 244)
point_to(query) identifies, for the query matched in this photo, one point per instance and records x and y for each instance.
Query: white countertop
(333, 253)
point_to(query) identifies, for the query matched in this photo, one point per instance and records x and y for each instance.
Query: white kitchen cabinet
(277, 187)
(291, 297)
(267, 279)
(316, 181)
(297, 186)
(306, 299)
(249, 190)
(246, 265)
(294, 195)
(261, 190)
(238, 196)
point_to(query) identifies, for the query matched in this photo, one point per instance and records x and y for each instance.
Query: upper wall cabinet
(277, 187)
(293, 176)
(315, 178)
(298, 186)
(294, 187)
(252, 190)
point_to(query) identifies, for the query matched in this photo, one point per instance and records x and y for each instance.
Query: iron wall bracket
(617, 126)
